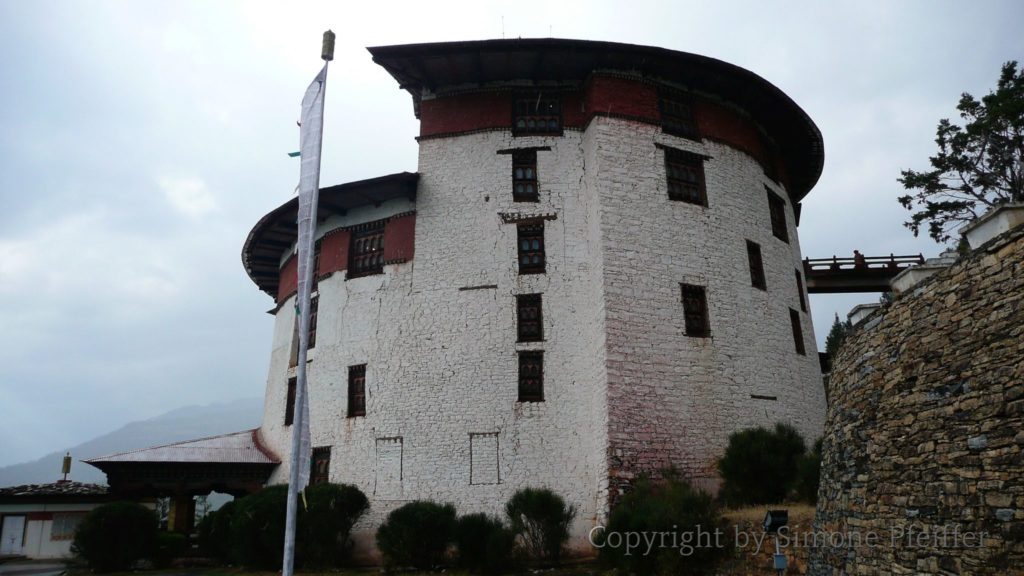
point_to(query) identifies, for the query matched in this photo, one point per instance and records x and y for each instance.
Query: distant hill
(182, 424)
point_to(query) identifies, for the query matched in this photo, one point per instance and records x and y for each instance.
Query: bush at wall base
(256, 534)
(809, 475)
(541, 519)
(670, 506)
(417, 535)
(325, 524)
(115, 536)
(485, 545)
(257, 529)
(760, 466)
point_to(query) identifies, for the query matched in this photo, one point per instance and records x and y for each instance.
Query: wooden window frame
(530, 247)
(317, 247)
(677, 117)
(314, 312)
(366, 250)
(696, 318)
(529, 392)
(777, 215)
(59, 525)
(289, 403)
(320, 465)
(530, 318)
(524, 176)
(800, 290)
(798, 332)
(528, 110)
(293, 355)
(357, 390)
(684, 176)
(756, 264)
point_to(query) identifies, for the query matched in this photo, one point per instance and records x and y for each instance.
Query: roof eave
(802, 148)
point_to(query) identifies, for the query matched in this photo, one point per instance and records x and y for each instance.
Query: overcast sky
(140, 141)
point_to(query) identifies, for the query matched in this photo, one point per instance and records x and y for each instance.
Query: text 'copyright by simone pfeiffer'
(689, 541)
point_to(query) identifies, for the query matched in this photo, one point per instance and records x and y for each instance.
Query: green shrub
(169, 545)
(252, 531)
(322, 538)
(417, 535)
(760, 466)
(486, 545)
(214, 532)
(115, 536)
(809, 474)
(257, 528)
(541, 519)
(686, 516)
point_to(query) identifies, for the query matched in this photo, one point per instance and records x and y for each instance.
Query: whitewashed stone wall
(623, 386)
(673, 399)
(442, 364)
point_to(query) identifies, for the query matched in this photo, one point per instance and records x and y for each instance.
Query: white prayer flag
(310, 142)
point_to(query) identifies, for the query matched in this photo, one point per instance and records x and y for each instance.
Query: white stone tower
(595, 273)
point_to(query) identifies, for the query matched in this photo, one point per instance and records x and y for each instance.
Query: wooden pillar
(183, 509)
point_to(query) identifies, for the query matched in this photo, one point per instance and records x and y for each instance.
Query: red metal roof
(235, 448)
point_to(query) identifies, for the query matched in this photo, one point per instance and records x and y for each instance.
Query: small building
(235, 464)
(38, 521)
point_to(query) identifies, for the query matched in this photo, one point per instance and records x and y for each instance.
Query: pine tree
(979, 165)
(836, 336)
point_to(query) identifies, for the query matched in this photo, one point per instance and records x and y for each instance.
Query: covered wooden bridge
(856, 274)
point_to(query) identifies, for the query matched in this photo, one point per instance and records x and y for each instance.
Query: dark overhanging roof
(419, 67)
(277, 231)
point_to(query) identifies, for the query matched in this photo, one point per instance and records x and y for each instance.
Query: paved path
(23, 568)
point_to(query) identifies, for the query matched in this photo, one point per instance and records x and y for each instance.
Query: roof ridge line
(169, 445)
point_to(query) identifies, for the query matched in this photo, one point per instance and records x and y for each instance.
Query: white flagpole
(310, 144)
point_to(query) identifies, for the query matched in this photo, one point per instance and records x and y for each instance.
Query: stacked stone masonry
(925, 427)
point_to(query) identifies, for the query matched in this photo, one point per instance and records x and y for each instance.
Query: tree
(760, 466)
(979, 165)
(835, 337)
(114, 536)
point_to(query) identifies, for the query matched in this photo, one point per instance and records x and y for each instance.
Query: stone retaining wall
(924, 434)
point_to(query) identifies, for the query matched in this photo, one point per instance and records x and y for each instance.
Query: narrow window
(293, 358)
(677, 114)
(537, 114)
(695, 311)
(289, 406)
(64, 525)
(366, 250)
(798, 332)
(756, 266)
(800, 290)
(314, 309)
(320, 467)
(530, 318)
(357, 391)
(531, 376)
(524, 176)
(531, 247)
(685, 173)
(777, 211)
(316, 263)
